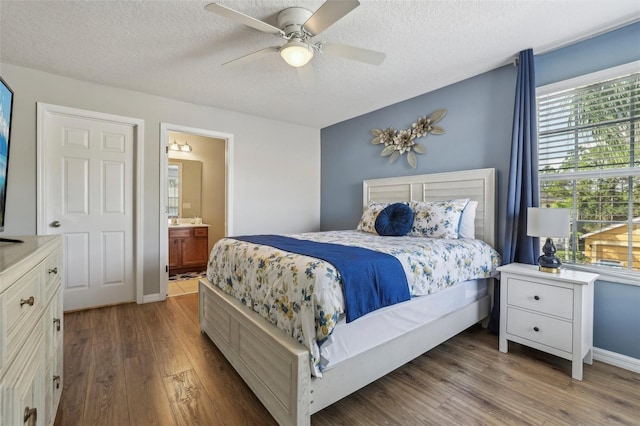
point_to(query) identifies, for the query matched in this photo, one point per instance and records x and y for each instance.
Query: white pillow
(440, 219)
(468, 221)
(370, 213)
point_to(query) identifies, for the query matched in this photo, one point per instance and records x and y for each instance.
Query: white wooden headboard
(478, 185)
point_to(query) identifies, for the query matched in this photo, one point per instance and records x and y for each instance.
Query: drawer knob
(30, 301)
(53, 270)
(536, 329)
(56, 322)
(30, 415)
(56, 380)
(536, 297)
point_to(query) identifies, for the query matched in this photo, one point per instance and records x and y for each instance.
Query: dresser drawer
(550, 331)
(53, 272)
(200, 232)
(548, 299)
(180, 233)
(53, 322)
(20, 313)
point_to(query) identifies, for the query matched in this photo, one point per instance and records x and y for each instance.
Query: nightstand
(549, 312)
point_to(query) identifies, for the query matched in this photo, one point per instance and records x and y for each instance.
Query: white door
(87, 194)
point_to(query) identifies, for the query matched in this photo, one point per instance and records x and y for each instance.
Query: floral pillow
(440, 219)
(368, 220)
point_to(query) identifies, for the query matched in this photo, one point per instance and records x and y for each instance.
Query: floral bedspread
(302, 295)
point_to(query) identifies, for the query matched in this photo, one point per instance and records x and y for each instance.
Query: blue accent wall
(616, 318)
(595, 54)
(478, 135)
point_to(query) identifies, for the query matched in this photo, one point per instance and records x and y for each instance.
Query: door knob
(56, 224)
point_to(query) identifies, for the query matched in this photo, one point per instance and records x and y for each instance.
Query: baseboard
(619, 360)
(149, 298)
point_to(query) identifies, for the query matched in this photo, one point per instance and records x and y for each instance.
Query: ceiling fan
(298, 26)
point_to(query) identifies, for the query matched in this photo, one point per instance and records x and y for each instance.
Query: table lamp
(548, 223)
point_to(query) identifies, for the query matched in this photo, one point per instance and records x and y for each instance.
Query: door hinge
(166, 149)
(166, 268)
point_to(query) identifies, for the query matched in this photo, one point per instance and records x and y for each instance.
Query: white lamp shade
(547, 222)
(296, 54)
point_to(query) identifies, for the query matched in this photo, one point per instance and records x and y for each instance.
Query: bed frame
(276, 367)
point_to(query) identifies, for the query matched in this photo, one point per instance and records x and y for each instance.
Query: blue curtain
(523, 176)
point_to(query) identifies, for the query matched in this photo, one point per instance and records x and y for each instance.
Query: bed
(276, 367)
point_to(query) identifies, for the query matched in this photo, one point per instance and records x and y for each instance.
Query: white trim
(619, 277)
(587, 79)
(165, 128)
(150, 298)
(616, 359)
(138, 200)
(139, 212)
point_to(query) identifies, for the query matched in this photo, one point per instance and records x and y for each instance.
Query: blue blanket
(370, 280)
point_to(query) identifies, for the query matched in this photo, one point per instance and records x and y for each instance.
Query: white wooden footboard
(273, 365)
(276, 367)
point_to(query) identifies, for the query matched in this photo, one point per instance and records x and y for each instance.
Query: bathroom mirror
(184, 188)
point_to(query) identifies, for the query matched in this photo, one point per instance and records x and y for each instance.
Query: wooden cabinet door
(194, 251)
(175, 252)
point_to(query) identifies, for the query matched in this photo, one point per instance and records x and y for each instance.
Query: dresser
(31, 330)
(550, 312)
(188, 249)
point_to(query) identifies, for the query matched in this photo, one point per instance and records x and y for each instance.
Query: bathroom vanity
(188, 248)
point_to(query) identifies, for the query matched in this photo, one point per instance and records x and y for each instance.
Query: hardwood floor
(150, 365)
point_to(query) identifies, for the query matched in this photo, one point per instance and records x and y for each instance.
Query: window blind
(589, 162)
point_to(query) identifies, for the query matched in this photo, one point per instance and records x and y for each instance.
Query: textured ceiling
(174, 48)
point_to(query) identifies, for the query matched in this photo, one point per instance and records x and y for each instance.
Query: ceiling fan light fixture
(296, 53)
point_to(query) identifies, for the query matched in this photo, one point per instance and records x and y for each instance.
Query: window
(589, 162)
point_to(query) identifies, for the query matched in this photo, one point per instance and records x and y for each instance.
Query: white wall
(276, 165)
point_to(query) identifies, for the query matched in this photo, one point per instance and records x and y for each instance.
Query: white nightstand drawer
(541, 329)
(543, 298)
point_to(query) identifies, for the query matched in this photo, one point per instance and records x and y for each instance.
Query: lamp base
(549, 270)
(549, 262)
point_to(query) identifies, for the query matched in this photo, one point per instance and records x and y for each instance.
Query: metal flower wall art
(397, 142)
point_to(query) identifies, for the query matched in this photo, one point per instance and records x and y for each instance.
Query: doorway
(195, 202)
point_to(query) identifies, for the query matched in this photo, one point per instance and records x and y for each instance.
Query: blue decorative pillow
(395, 220)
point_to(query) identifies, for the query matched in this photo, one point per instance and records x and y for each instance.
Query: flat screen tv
(6, 110)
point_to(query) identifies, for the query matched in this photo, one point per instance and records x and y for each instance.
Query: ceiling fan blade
(328, 14)
(243, 19)
(251, 57)
(355, 53)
